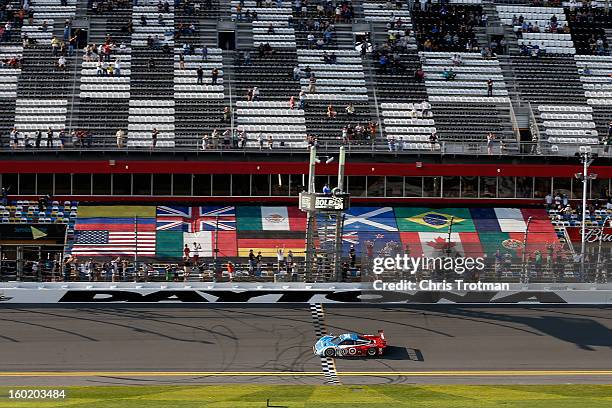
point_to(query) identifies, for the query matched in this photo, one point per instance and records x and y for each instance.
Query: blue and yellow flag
(417, 219)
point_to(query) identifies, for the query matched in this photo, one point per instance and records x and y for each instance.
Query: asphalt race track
(134, 345)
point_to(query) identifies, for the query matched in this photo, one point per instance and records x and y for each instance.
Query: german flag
(268, 242)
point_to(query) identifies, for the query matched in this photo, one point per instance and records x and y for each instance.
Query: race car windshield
(336, 340)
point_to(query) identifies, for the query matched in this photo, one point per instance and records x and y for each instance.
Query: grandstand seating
(154, 90)
(594, 73)
(461, 106)
(568, 124)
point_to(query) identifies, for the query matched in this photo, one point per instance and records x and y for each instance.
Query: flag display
(268, 242)
(110, 231)
(164, 231)
(171, 244)
(194, 219)
(256, 218)
(376, 219)
(418, 219)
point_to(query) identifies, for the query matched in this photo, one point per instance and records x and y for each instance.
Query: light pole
(524, 272)
(586, 159)
(601, 276)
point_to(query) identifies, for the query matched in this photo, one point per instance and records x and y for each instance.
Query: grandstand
(535, 55)
(460, 104)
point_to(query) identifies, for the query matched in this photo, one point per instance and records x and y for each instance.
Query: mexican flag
(170, 244)
(417, 219)
(257, 218)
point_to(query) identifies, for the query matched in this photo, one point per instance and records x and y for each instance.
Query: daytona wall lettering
(350, 296)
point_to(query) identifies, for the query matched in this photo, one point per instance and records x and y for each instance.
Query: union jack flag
(195, 219)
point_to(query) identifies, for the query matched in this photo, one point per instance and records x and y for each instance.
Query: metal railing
(510, 271)
(104, 145)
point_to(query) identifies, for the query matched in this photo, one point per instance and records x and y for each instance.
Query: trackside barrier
(179, 293)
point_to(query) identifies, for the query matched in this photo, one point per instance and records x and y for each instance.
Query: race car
(350, 345)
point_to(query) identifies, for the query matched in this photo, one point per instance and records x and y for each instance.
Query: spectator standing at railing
(259, 260)
(4, 196)
(120, 137)
(49, 137)
(260, 140)
(608, 139)
(548, 200)
(490, 87)
(154, 135)
(214, 74)
(490, 140)
(433, 140)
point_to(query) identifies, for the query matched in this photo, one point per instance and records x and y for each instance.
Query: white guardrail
(254, 293)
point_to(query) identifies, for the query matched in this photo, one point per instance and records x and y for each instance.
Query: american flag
(195, 219)
(113, 243)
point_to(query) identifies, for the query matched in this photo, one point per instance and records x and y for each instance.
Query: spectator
(608, 140)
(490, 139)
(433, 140)
(331, 113)
(270, 141)
(181, 61)
(255, 93)
(419, 74)
(302, 98)
(350, 109)
(326, 190)
(154, 135)
(297, 73)
(118, 66)
(214, 74)
(312, 88)
(292, 102)
(120, 137)
(490, 87)
(247, 58)
(200, 75)
(61, 63)
(204, 143)
(49, 137)
(449, 74)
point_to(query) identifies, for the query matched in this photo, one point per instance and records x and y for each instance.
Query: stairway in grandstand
(103, 100)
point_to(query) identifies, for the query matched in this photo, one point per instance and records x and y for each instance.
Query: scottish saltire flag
(195, 219)
(370, 219)
(417, 219)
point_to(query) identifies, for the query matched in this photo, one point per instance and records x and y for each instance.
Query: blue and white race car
(351, 344)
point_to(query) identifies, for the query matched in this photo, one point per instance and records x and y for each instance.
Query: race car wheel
(371, 352)
(329, 352)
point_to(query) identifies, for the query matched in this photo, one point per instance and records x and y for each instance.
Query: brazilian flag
(418, 219)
